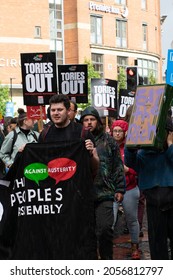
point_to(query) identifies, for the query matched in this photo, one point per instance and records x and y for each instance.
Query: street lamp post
(11, 87)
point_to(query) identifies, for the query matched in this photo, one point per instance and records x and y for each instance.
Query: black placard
(104, 96)
(73, 81)
(39, 77)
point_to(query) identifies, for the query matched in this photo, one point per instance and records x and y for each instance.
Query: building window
(56, 29)
(144, 36)
(121, 2)
(121, 33)
(146, 68)
(143, 4)
(55, 24)
(37, 33)
(96, 30)
(122, 62)
(97, 60)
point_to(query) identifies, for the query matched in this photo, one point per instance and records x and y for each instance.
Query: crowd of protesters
(121, 176)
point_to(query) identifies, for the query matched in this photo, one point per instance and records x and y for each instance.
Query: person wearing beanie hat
(109, 183)
(23, 133)
(155, 178)
(92, 112)
(131, 197)
(121, 123)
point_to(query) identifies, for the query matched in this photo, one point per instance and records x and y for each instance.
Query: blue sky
(166, 8)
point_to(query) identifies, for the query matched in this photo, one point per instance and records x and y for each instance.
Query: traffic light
(132, 78)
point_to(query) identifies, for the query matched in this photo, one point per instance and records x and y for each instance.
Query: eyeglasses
(118, 131)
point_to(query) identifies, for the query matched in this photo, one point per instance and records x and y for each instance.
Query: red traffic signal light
(131, 72)
(132, 78)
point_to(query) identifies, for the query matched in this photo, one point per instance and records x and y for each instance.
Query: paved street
(122, 245)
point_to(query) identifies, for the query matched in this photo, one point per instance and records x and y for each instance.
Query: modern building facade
(110, 33)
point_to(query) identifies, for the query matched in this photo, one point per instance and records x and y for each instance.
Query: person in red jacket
(131, 197)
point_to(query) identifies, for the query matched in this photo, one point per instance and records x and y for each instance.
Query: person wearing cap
(155, 178)
(131, 197)
(25, 134)
(109, 183)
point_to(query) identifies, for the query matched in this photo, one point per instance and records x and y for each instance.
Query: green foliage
(91, 74)
(151, 78)
(121, 78)
(4, 98)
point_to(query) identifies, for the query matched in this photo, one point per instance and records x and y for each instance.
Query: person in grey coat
(23, 134)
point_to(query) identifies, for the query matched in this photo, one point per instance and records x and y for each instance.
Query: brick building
(111, 33)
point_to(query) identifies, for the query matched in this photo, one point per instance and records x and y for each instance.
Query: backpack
(15, 135)
(2, 164)
(45, 131)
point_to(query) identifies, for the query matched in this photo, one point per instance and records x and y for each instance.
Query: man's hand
(21, 148)
(89, 146)
(126, 169)
(119, 197)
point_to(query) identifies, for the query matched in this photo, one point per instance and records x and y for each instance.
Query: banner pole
(107, 123)
(40, 121)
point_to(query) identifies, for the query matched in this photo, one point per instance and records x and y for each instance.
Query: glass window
(96, 30)
(121, 33)
(144, 4)
(56, 29)
(53, 2)
(37, 32)
(144, 36)
(146, 68)
(59, 24)
(97, 60)
(122, 61)
(59, 14)
(122, 2)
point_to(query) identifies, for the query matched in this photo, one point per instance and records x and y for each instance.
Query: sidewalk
(122, 245)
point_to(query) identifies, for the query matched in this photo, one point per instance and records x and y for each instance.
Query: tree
(121, 78)
(91, 74)
(4, 98)
(151, 78)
